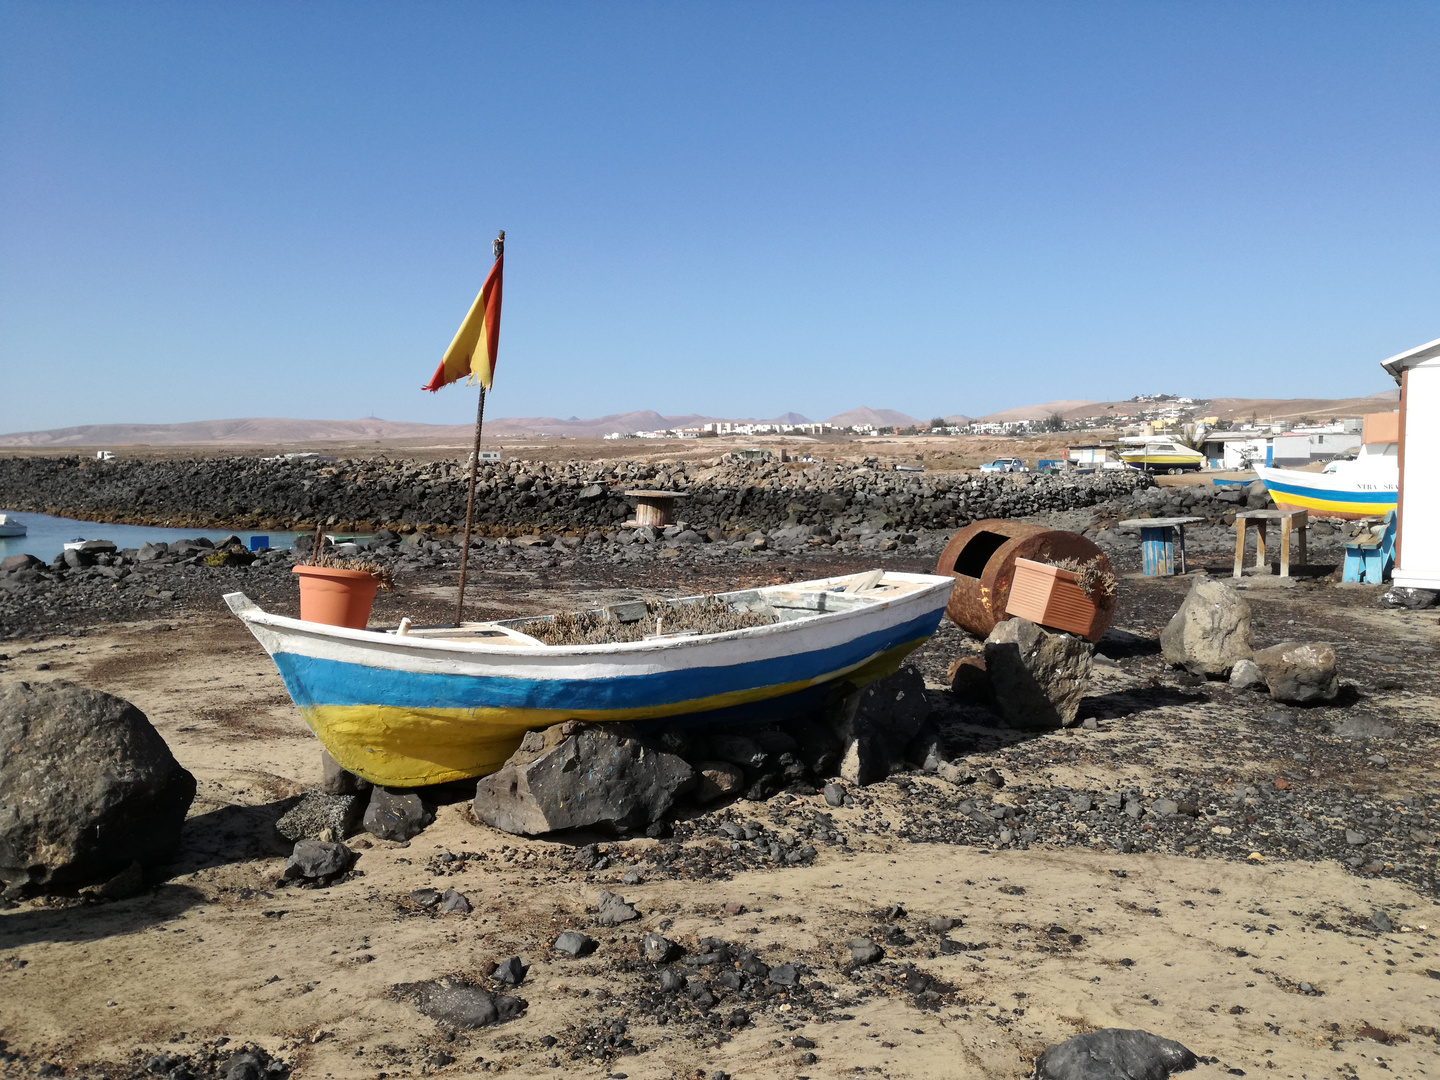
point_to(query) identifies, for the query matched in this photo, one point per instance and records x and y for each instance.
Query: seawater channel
(46, 536)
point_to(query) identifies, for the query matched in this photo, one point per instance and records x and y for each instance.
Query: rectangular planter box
(1048, 596)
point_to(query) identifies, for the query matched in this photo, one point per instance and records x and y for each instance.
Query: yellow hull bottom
(1331, 508)
(400, 746)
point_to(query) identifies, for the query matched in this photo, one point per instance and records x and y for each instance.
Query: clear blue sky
(283, 209)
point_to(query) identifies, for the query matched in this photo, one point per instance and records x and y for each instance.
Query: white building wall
(1236, 451)
(1419, 562)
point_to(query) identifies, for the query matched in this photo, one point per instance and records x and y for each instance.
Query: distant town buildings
(727, 427)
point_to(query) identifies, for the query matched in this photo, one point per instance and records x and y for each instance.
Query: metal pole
(470, 508)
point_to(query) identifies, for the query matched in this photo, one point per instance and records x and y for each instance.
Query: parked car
(1005, 464)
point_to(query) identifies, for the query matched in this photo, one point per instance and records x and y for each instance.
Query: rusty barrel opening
(971, 560)
(981, 558)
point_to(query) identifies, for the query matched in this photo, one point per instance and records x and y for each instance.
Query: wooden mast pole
(499, 247)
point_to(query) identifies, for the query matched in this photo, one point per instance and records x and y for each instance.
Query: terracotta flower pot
(336, 597)
(1050, 597)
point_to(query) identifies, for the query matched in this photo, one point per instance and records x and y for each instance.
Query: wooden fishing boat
(1368, 487)
(407, 706)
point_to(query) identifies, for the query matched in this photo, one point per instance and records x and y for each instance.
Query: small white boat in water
(9, 527)
(420, 706)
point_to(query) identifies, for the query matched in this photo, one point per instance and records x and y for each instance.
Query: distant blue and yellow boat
(411, 707)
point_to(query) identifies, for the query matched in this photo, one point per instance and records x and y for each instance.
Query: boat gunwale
(250, 612)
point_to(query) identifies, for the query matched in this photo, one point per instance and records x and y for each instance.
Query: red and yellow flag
(473, 350)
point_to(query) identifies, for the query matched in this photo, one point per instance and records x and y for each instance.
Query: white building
(1417, 541)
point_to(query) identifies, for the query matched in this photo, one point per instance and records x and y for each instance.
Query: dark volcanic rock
(318, 860)
(1037, 676)
(574, 943)
(511, 972)
(461, 1005)
(336, 781)
(317, 814)
(865, 951)
(1399, 596)
(538, 497)
(658, 949)
(454, 903)
(593, 777)
(396, 814)
(1210, 632)
(614, 910)
(1299, 673)
(87, 786)
(716, 780)
(875, 724)
(1114, 1054)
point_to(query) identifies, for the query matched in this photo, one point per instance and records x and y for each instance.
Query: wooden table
(1158, 541)
(1287, 520)
(654, 508)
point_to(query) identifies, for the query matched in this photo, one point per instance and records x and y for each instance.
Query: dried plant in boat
(708, 615)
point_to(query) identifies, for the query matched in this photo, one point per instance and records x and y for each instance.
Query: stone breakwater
(522, 497)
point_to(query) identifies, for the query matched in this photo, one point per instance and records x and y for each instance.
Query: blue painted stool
(1369, 554)
(1159, 538)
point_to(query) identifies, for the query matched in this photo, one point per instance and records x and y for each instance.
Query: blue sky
(277, 209)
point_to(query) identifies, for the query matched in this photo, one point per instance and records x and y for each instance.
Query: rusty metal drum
(981, 558)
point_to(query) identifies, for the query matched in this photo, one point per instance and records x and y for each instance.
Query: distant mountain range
(271, 431)
(274, 432)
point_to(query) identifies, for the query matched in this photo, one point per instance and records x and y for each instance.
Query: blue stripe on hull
(312, 681)
(1331, 494)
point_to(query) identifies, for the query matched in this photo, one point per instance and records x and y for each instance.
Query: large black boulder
(1114, 1054)
(87, 787)
(875, 724)
(573, 776)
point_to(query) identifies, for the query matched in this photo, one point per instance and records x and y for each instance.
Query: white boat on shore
(10, 527)
(1156, 454)
(410, 706)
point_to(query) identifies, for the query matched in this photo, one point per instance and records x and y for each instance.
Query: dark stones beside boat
(875, 724)
(89, 788)
(716, 780)
(574, 776)
(318, 816)
(319, 861)
(396, 814)
(335, 780)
